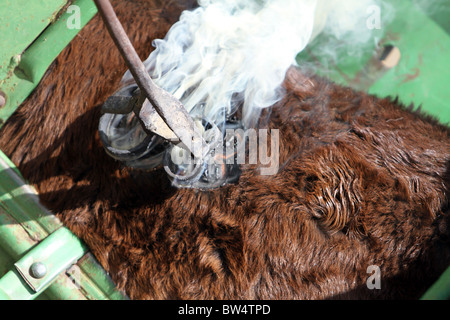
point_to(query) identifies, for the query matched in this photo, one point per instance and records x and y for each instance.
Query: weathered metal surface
(93, 281)
(56, 253)
(31, 234)
(420, 77)
(32, 34)
(40, 266)
(21, 202)
(154, 123)
(21, 22)
(124, 102)
(13, 287)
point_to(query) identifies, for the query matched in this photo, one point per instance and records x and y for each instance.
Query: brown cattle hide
(362, 181)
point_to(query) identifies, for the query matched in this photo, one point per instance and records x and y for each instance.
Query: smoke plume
(230, 54)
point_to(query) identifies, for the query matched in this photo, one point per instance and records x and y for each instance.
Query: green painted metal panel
(93, 281)
(6, 262)
(24, 65)
(21, 21)
(20, 201)
(56, 253)
(32, 35)
(63, 288)
(438, 10)
(13, 287)
(30, 233)
(15, 240)
(422, 75)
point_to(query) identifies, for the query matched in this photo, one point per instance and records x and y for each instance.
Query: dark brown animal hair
(362, 181)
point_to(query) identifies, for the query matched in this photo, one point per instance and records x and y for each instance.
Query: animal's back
(362, 181)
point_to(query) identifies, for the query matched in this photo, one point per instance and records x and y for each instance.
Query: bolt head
(38, 270)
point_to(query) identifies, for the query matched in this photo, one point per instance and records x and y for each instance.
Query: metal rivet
(38, 270)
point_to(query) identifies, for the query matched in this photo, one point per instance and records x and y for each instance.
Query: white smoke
(228, 54)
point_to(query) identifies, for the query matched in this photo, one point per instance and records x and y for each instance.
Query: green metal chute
(31, 234)
(32, 34)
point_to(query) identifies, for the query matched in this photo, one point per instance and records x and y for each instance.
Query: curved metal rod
(167, 106)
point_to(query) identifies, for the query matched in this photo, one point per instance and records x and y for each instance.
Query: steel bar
(168, 107)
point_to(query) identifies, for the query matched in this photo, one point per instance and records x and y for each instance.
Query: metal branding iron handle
(167, 107)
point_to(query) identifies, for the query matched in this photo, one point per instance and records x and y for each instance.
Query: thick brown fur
(362, 181)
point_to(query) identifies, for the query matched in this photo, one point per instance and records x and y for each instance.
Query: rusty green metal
(20, 200)
(440, 290)
(34, 33)
(30, 233)
(56, 253)
(71, 272)
(421, 77)
(21, 22)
